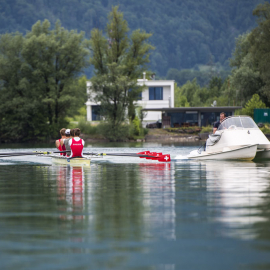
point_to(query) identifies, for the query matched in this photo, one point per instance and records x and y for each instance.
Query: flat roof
(195, 109)
(146, 80)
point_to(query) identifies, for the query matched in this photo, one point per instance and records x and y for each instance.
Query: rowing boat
(63, 160)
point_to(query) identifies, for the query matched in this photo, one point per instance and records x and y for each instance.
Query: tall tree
(180, 100)
(21, 116)
(38, 78)
(53, 60)
(251, 59)
(260, 47)
(245, 79)
(118, 60)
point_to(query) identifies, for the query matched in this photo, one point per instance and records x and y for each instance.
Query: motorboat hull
(247, 152)
(263, 154)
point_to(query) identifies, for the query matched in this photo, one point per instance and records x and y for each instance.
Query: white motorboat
(238, 137)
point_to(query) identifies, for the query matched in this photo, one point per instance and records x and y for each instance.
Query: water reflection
(127, 201)
(120, 203)
(159, 190)
(70, 191)
(239, 190)
(133, 201)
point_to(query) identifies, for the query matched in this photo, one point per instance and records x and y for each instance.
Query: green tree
(191, 93)
(118, 60)
(215, 85)
(39, 83)
(21, 116)
(182, 38)
(190, 90)
(180, 100)
(203, 77)
(53, 60)
(254, 103)
(245, 79)
(251, 59)
(260, 47)
(77, 103)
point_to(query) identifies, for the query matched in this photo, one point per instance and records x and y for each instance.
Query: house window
(155, 93)
(96, 115)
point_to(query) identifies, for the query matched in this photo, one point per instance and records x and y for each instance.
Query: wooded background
(186, 34)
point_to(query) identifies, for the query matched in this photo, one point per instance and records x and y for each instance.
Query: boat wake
(180, 157)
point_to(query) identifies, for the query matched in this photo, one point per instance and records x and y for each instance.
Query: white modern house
(156, 94)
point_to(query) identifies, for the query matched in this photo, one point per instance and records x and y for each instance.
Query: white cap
(67, 131)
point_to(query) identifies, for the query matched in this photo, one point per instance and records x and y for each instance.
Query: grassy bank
(100, 130)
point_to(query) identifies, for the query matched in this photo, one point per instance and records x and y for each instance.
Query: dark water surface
(129, 214)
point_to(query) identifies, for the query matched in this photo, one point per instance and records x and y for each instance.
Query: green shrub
(265, 129)
(83, 125)
(136, 126)
(87, 128)
(208, 129)
(105, 129)
(136, 130)
(145, 131)
(120, 134)
(193, 129)
(254, 103)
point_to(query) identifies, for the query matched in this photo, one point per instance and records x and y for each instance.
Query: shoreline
(160, 136)
(156, 137)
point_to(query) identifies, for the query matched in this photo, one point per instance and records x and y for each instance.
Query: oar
(28, 153)
(14, 154)
(118, 154)
(10, 156)
(158, 156)
(154, 156)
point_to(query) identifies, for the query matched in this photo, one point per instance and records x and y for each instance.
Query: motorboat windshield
(238, 122)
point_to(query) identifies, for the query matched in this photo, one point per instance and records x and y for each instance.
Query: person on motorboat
(65, 143)
(222, 116)
(217, 124)
(76, 144)
(58, 142)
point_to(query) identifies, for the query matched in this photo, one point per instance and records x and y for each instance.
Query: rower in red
(58, 142)
(76, 144)
(65, 143)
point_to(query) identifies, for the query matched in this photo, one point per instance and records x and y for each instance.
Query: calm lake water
(124, 213)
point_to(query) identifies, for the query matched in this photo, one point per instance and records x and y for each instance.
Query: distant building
(157, 100)
(192, 116)
(156, 94)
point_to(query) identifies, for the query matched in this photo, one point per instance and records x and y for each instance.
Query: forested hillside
(185, 33)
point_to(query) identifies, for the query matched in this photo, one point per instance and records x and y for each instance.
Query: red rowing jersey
(60, 147)
(76, 148)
